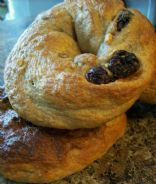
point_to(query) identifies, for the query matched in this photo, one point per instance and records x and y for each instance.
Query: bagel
(34, 154)
(80, 64)
(149, 95)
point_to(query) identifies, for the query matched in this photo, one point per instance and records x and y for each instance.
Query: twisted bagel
(80, 64)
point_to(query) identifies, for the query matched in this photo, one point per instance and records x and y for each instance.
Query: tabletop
(9, 33)
(132, 160)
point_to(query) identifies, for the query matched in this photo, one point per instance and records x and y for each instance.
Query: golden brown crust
(149, 95)
(91, 20)
(45, 72)
(40, 155)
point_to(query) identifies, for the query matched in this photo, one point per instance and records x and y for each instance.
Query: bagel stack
(34, 154)
(69, 79)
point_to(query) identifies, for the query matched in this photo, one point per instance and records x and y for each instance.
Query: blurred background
(19, 9)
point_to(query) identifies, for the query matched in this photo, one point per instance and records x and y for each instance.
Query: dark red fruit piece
(98, 75)
(123, 19)
(123, 64)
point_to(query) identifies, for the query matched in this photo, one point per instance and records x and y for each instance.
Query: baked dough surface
(149, 95)
(45, 72)
(40, 155)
